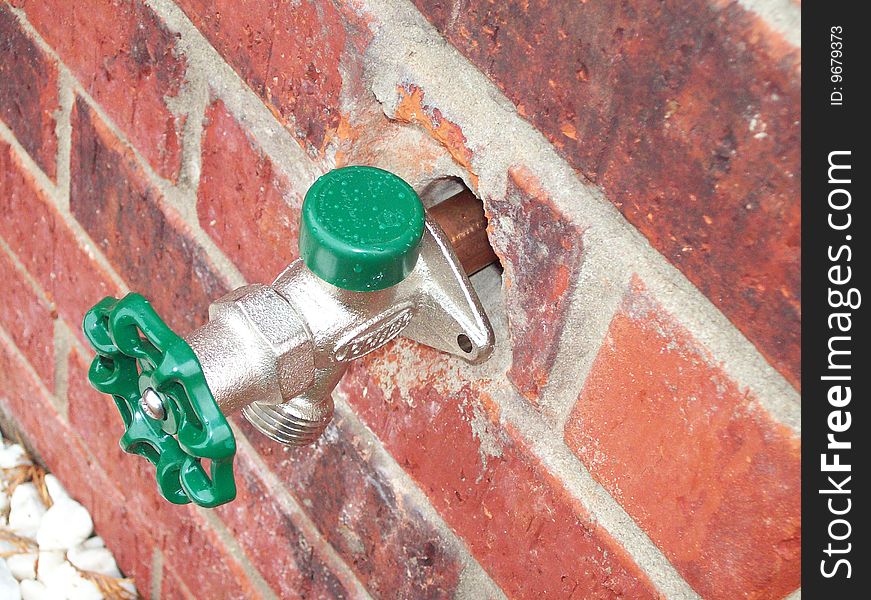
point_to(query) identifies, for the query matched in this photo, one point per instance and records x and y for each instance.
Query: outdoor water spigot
(373, 265)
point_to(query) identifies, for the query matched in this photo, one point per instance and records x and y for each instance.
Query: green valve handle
(169, 413)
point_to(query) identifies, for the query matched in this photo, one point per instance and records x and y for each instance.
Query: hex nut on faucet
(255, 347)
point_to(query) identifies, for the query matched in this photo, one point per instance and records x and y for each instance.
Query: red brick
(687, 115)
(48, 247)
(28, 92)
(541, 268)
(691, 456)
(288, 52)
(127, 61)
(518, 521)
(292, 562)
(132, 224)
(18, 386)
(171, 588)
(46, 433)
(249, 210)
(27, 319)
(373, 525)
(186, 539)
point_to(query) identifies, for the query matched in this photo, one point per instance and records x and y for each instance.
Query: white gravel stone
(98, 560)
(26, 510)
(62, 533)
(94, 542)
(23, 566)
(57, 491)
(9, 589)
(66, 524)
(34, 590)
(13, 456)
(49, 560)
(63, 581)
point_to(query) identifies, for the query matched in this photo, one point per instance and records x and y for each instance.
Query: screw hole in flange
(464, 343)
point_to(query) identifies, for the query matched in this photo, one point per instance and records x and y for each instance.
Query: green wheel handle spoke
(136, 351)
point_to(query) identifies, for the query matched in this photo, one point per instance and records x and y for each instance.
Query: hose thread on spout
(285, 424)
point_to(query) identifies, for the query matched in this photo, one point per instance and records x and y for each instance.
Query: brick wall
(636, 433)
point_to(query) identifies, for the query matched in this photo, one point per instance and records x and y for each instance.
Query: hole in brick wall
(440, 189)
(461, 215)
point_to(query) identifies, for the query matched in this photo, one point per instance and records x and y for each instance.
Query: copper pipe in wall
(463, 221)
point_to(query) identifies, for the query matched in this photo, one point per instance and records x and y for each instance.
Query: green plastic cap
(361, 228)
